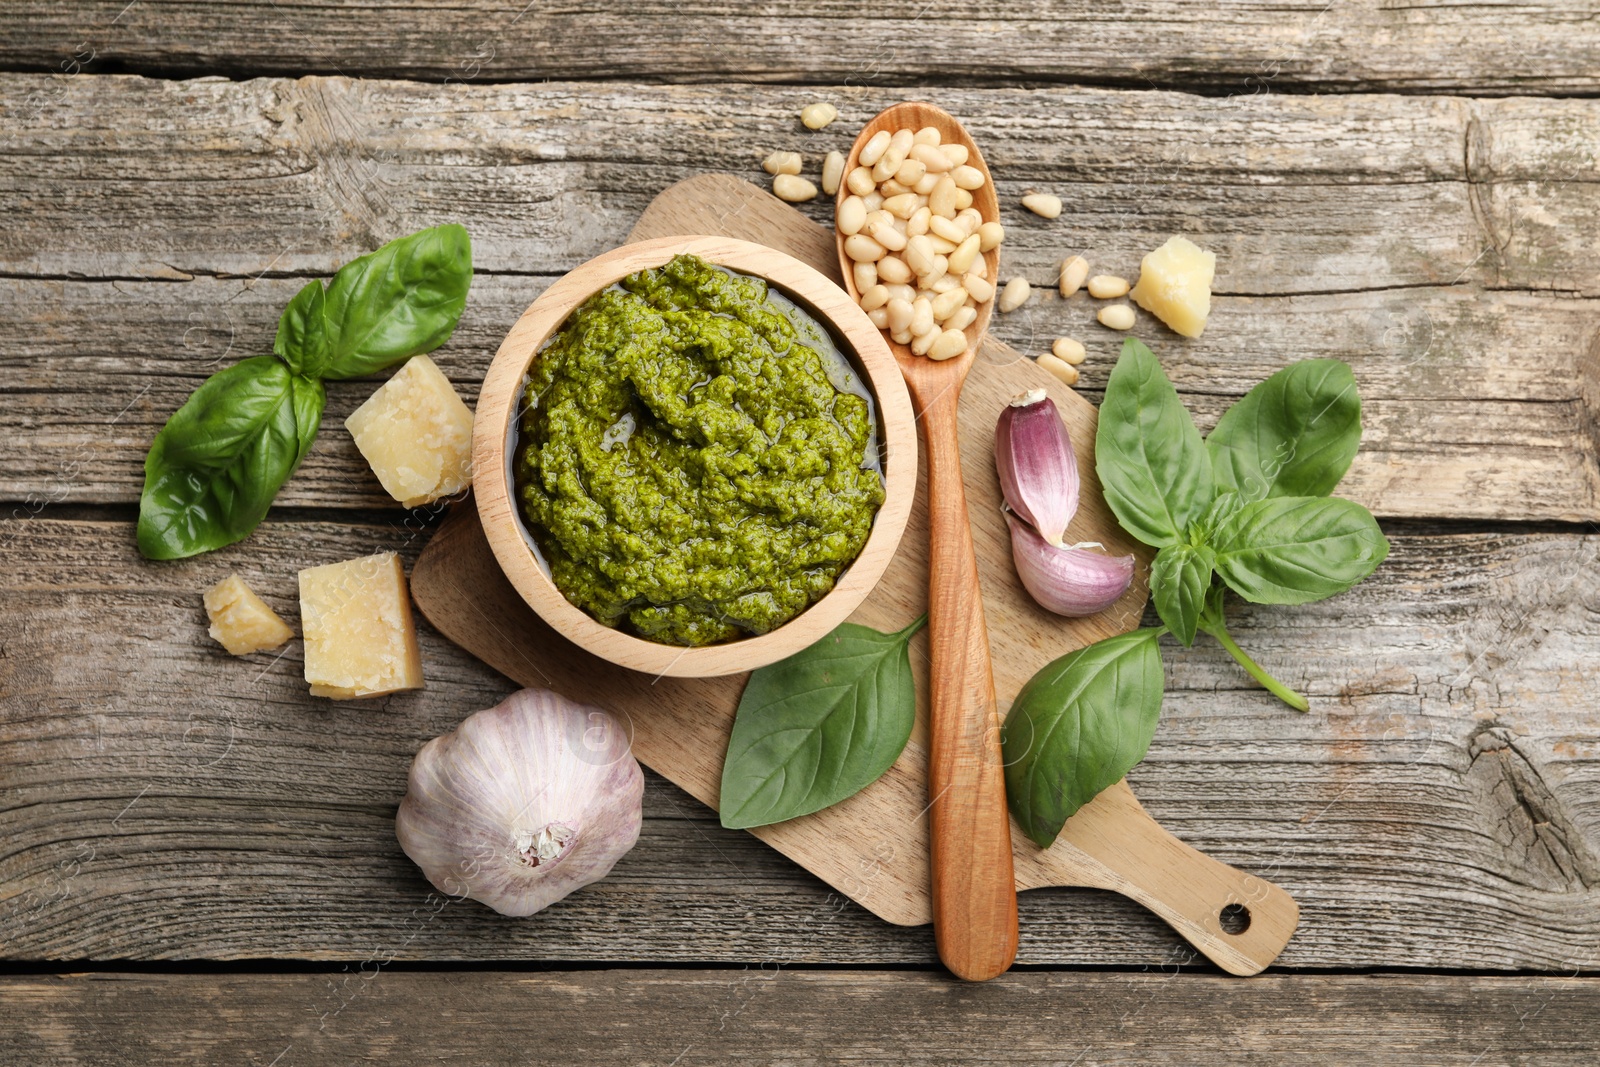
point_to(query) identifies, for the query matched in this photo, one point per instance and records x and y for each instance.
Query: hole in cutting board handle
(1234, 919)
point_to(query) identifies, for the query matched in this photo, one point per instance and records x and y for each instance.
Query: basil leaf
(819, 726)
(302, 339)
(220, 459)
(400, 301)
(1293, 550)
(1078, 726)
(1180, 577)
(1153, 467)
(1293, 435)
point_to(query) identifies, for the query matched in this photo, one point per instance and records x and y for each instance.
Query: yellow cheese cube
(356, 621)
(416, 433)
(1175, 285)
(241, 620)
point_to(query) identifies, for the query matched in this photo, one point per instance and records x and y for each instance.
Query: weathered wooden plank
(1252, 47)
(1439, 807)
(771, 1015)
(1478, 405)
(1296, 194)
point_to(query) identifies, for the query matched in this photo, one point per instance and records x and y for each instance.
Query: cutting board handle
(1240, 921)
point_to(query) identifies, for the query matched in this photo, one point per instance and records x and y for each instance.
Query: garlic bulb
(1039, 478)
(522, 803)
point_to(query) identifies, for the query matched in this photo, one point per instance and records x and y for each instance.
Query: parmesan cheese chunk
(240, 620)
(1175, 285)
(416, 433)
(359, 637)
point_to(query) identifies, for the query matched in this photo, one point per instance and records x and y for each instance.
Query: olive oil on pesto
(693, 462)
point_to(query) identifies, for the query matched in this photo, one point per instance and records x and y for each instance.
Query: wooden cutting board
(874, 846)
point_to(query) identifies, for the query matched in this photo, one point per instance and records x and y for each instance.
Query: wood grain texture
(1251, 47)
(771, 1015)
(1439, 806)
(973, 887)
(1440, 246)
(500, 400)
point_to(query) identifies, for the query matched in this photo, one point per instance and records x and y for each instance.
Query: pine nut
(963, 318)
(1065, 348)
(816, 116)
(969, 220)
(872, 151)
(851, 216)
(1073, 272)
(901, 206)
(979, 267)
(939, 226)
(865, 274)
(879, 317)
(926, 184)
(948, 344)
(962, 258)
(1043, 204)
(783, 163)
(887, 236)
(874, 297)
(1107, 287)
(955, 153)
(875, 217)
(892, 188)
(942, 201)
(945, 304)
(863, 249)
(941, 267)
(832, 171)
(900, 337)
(901, 291)
(859, 181)
(978, 287)
(990, 234)
(873, 200)
(919, 255)
(922, 342)
(928, 135)
(1015, 294)
(900, 312)
(942, 246)
(966, 177)
(910, 173)
(793, 189)
(1116, 317)
(901, 141)
(893, 270)
(930, 157)
(918, 222)
(921, 316)
(963, 200)
(1060, 368)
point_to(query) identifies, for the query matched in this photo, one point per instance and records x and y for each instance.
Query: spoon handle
(974, 888)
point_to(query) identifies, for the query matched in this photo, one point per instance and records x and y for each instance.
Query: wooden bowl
(499, 405)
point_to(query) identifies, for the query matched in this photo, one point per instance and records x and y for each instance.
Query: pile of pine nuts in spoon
(916, 241)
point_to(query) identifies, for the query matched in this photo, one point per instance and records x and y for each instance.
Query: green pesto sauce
(695, 462)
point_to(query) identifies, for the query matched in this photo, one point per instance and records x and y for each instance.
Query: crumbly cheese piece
(241, 620)
(416, 433)
(359, 637)
(1175, 285)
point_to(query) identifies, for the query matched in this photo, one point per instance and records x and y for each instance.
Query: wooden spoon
(974, 888)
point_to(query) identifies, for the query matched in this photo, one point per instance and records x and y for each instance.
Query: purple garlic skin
(1038, 472)
(1067, 581)
(522, 803)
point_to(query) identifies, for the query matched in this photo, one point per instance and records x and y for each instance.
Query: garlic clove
(1038, 472)
(1067, 581)
(522, 803)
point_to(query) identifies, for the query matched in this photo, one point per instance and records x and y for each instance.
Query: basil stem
(1211, 622)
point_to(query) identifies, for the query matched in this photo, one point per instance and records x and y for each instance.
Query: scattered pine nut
(816, 116)
(1073, 272)
(1016, 293)
(1107, 287)
(794, 189)
(1116, 317)
(1043, 204)
(1060, 368)
(1065, 348)
(782, 163)
(832, 172)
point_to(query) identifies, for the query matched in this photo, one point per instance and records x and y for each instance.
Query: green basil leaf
(216, 465)
(400, 301)
(302, 340)
(1293, 435)
(1080, 725)
(1153, 467)
(1296, 549)
(819, 726)
(1180, 577)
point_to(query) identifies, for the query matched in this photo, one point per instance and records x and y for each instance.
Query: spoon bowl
(974, 888)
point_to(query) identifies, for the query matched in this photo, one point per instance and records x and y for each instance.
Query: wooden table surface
(197, 860)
